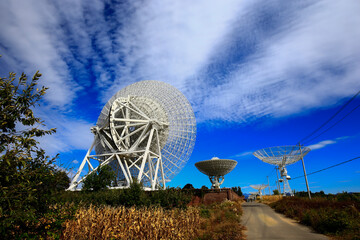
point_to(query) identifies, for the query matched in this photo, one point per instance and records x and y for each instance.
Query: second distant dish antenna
(282, 156)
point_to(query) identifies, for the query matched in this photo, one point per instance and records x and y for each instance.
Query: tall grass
(132, 223)
(221, 221)
(339, 218)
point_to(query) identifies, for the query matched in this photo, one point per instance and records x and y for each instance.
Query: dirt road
(262, 222)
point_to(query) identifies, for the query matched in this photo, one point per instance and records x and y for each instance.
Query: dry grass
(131, 223)
(221, 221)
(271, 199)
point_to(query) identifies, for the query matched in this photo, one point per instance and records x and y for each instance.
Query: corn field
(132, 223)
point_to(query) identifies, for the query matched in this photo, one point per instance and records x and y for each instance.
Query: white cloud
(243, 154)
(311, 61)
(321, 144)
(171, 41)
(29, 42)
(75, 162)
(71, 134)
(325, 143)
(310, 58)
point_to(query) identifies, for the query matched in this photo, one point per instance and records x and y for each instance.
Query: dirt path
(262, 222)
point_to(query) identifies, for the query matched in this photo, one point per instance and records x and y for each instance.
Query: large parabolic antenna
(216, 169)
(145, 131)
(281, 156)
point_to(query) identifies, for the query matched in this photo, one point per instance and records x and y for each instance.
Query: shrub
(28, 177)
(100, 179)
(134, 196)
(334, 215)
(221, 221)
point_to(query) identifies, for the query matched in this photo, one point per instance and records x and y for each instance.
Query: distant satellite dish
(259, 187)
(145, 131)
(281, 156)
(216, 169)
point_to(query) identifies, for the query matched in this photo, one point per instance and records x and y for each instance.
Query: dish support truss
(284, 177)
(216, 181)
(131, 147)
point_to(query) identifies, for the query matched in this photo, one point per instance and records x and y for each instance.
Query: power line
(327, 168)
(333, 124)
(269, 174)
(332, 117)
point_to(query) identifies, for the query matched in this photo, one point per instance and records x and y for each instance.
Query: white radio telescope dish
(259, 187)
(146, 131)
(281, 156)
(216, 169)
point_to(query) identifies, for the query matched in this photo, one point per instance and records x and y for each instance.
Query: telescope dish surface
(216, 166)
(147, 131)
(259, 187)
(216, 169)
(281, 155)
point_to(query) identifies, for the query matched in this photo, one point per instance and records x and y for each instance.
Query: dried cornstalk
(131, 223)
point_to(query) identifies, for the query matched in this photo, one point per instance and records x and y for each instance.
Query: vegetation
(237, 190)
(334, 215)
(100, 179)
(221, 221)
(188, 186)
(28, 177)
(134, 196)
(131, 223)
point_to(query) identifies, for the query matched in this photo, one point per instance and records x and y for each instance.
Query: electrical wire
(327, 168)
(333, 124)
(331, 118)
(269, 174)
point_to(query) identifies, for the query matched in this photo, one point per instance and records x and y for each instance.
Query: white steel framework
(281, 156)
(145, 132)
(259, 187)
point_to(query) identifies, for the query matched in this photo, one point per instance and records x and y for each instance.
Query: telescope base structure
(284, 179)
(216, 181)
(286, 188)
(143, 165)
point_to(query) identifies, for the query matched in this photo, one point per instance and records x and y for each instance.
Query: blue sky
(257, 74)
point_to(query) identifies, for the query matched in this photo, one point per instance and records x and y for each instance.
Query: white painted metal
(146, 131)
(216, 169)
(259, 187)
(281, 156)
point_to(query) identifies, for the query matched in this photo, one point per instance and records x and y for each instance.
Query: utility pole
(268, 185)
(306, 180)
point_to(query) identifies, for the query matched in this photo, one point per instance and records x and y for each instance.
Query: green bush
(29, 180)
(327, 220)
(100, 179)
(134, 196)
(335, 215)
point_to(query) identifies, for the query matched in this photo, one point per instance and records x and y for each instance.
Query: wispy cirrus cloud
(308, 60)
(234, 61)
(321, 144)
(325, 143)
(242, 154)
